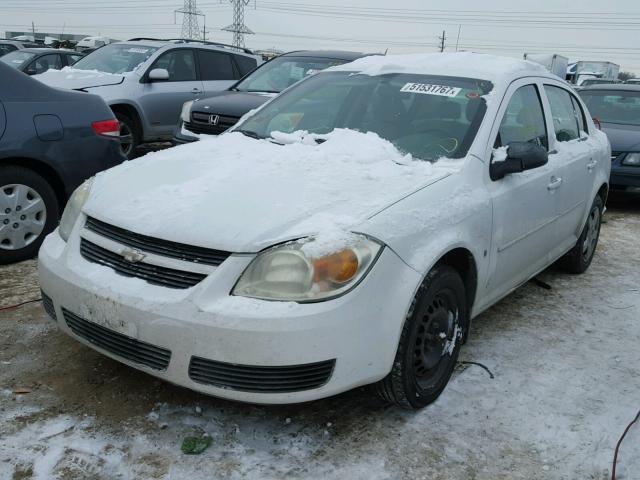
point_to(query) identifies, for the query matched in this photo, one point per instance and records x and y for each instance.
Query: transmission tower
(238, 27)
(190, 15)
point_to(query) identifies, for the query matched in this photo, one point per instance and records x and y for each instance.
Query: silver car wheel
(23, 215)
(593, 231)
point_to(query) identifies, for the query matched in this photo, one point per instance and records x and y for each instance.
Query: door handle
(196, 90)
(555, 183)
(592, 164)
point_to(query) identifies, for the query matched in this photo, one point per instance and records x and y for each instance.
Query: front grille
(166, 248)
(200, 123)
(260, 379)
(118, 344)
(154, 274)
(47, 304)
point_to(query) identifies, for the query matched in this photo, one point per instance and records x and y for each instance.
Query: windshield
(282, 72)
(17, 58)
(427, 116)
(610, 106)
(115, 58)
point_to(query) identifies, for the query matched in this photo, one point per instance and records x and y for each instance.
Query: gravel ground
(566, 383)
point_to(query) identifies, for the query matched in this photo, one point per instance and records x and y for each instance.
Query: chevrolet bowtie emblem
(133, 256)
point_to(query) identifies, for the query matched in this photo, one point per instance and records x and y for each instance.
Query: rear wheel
(578, 259)
(429, 343)
(28, 212)
(129, 135)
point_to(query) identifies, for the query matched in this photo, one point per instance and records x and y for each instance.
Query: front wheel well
(45, 171)
(463, 262)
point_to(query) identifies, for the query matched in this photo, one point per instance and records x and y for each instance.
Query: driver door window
(523, 120)
(180, 64)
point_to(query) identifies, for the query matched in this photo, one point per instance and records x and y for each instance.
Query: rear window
(6, 48)
(610, 106)
(245, 64)
(216, 65)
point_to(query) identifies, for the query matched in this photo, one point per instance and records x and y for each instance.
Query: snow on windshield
(116, 58)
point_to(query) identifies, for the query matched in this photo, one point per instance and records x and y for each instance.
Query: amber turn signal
(338, 267)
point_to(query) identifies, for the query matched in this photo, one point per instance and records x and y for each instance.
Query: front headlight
(72, 210)
(632, 160)
(295, 272)
(185, 114)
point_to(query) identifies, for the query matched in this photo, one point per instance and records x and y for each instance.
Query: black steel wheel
(429, 343)
(579, 258)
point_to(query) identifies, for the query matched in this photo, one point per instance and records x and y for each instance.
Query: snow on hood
(74, 79)
(240, 194)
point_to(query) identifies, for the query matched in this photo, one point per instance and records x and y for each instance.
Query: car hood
(240, 194)
(74, 79)
(623, 138)
(231, 103)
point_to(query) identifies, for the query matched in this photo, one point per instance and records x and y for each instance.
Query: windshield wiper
(250, 134)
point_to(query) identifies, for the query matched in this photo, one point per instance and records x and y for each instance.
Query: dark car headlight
(631, 159)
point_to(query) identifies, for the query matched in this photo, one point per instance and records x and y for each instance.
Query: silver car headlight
(632, 160)
(298, 272)
(185, 114)
(74, 207)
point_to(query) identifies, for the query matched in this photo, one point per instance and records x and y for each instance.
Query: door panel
(524, 203)
(573, 153)
(162, 101)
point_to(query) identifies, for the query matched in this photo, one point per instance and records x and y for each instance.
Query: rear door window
(523, 120)
(245, 64)
(216, 65)
(565, 117)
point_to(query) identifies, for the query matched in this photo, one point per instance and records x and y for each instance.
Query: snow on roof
(462, 64)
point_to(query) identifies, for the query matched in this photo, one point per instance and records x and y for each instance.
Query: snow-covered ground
(566, 383)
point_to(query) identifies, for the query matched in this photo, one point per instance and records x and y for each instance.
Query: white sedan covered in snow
(344, 234)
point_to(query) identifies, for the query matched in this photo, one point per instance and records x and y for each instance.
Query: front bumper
(182, 136)
(624, 178)
(359, 330)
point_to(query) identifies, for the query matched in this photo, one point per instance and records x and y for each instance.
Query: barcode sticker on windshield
(431, 89)
(138, 50)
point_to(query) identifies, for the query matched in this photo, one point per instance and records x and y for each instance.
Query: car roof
(613, 86)
(336, 54)
(501, 71)
(48, 50)
(157, 42)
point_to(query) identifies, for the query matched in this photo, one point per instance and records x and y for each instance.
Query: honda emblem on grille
(213, 119)
(133, 256)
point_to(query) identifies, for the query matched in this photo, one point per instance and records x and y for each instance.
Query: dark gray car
(33, 61)
(50, 141)
(220, 111)
(617, 108)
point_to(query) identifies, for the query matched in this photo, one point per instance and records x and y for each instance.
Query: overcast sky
(581, 30)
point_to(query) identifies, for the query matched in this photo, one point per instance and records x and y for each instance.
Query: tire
(29, 211)
(425, 359)
(129, 135)
(578, 259)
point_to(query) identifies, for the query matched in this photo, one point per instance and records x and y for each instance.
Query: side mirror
(521, 156)
(31, 70)
(158, 75)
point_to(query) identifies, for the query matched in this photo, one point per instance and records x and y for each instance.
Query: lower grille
(47, 304)
(118, 344)
(260, 379)
(166, 277)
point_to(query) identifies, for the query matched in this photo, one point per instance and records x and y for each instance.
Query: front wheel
(578, 259)
(28, 212)
(129, 135)
(429, 343)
